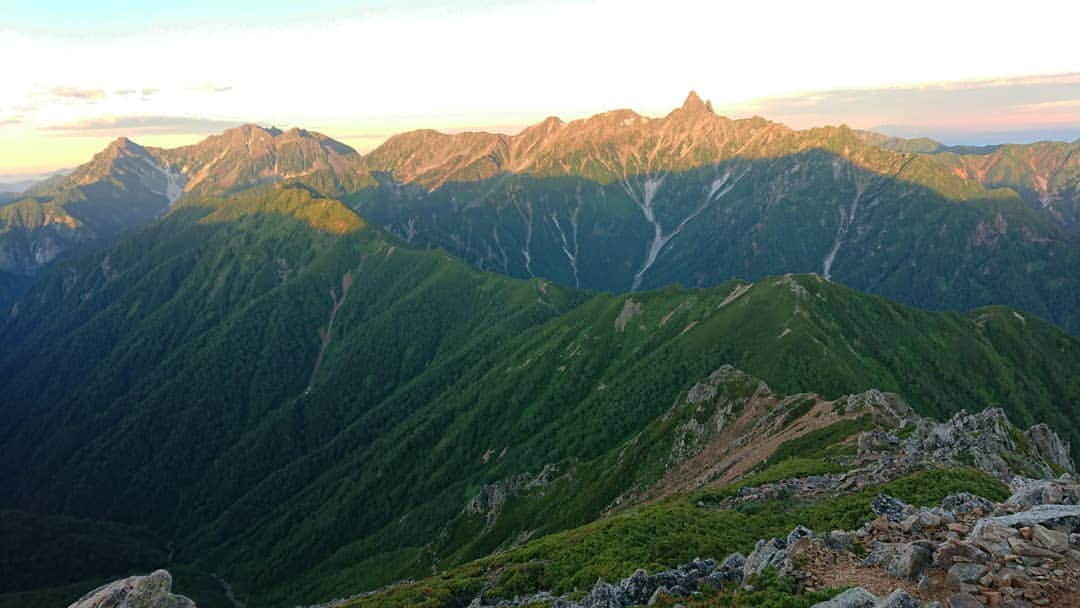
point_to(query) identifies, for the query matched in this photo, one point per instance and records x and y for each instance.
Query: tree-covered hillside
(280, 389)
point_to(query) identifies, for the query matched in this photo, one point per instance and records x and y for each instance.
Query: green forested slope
(170, 381)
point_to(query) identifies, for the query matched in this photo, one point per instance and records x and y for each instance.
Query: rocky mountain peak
(122, 146)
(695, 105)
(254, 129)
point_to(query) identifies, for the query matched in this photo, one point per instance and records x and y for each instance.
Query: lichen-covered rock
(965, 502)
(890, 507)
(603, 595)
(732, 567)
(766, 553)
(151, 591)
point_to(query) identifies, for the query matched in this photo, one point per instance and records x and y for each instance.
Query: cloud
(140, 125)
(124, 92)
(78, 93)
(211, 88)
(973, 105)
(149, 91)
(10, 120)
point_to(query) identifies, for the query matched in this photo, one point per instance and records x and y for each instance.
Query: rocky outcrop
(967, 552)
(985, 440)
(491, 498)
(151, 591)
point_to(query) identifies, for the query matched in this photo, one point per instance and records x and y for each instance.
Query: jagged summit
(695, 104)
(252, 128)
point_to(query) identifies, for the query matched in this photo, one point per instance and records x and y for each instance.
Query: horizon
(169, 76)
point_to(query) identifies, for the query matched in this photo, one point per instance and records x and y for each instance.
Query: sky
(78, 74)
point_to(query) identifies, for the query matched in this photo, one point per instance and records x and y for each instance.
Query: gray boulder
(890, 507)
(898, 599)
(900, 560)
(856, 597)
(732, 567)
(603, 595)
(839, 540)
(966, 502)
(1065, 518)
(799, 532)
(151, 591)
(962, 573)
(638, 587)
(766, 553)
(963, 600)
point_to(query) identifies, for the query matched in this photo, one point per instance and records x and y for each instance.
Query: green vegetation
(769, 591)
(815, 444)
(169, 381)
(661, 536)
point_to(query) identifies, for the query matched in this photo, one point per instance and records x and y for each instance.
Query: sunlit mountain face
(381, 304)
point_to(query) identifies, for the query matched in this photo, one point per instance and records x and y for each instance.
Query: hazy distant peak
(694, 104)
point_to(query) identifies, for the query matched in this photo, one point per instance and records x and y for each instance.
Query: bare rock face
(150, 591)
(985, 440)
(1050, 446)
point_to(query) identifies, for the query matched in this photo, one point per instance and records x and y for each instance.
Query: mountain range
(620, 202)
(268, 360)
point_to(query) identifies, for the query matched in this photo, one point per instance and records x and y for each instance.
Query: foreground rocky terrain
(966, 551)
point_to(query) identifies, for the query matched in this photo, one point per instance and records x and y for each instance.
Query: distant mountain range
(621, 202)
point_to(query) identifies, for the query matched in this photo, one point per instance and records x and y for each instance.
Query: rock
(898, 599)
(638, 587)
(602, 595)
(1056, 517)
(959, 528)
(856, 597)
(890, 507)
(1051, 447)
(1050, 539)
(839, 540)
(799, 532)
(732, 567)
(150, 591)
(964, 573)
(765, 554)
(880, 524)
(900, 560)
(715, 580)
(965, 502)
(963, 600)
(962, 551)
(1032, 492)
(1024, 548)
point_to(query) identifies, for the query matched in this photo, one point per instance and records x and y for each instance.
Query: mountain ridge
(279, 399)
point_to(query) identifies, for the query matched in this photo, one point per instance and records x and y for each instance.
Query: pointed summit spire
(695, 104)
